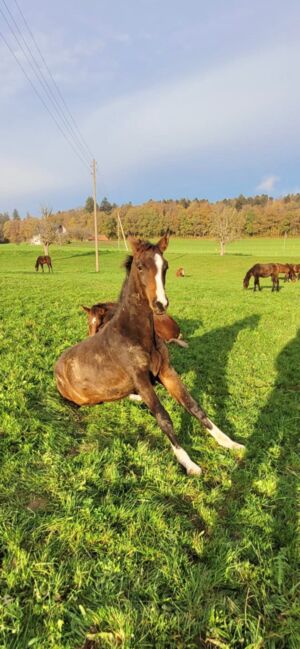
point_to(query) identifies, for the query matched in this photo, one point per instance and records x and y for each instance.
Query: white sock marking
(221, 438)
(160, 291)
(183, 458)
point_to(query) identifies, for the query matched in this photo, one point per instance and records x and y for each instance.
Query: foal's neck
(134, 297)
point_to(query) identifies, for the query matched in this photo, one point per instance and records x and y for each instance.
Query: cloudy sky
(173, 98)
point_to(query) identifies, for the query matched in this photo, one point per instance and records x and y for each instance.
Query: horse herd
(290, 272)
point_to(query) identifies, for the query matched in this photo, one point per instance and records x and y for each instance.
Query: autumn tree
(226, 225)
(12, 230)
(47, 229)
(3, 219)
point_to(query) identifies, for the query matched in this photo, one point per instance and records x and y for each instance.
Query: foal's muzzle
(159, 308)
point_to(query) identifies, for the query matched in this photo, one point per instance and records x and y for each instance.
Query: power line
(53, 80)
(43, 82)
(42, 100)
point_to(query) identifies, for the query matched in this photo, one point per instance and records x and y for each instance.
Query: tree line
(225, 220)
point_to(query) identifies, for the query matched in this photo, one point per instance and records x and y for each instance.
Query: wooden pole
(123, 235)
(95, 215)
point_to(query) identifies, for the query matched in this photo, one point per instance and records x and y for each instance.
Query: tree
(226, 225)
(12, 231)
(106, 206)
(3, 218)
(47, 229)
(16, 215)
(89, 205)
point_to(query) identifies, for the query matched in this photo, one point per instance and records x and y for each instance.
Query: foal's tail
(247, 278)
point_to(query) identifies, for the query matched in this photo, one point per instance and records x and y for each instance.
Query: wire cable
(42, 100)
(53, 80)
(44, 84)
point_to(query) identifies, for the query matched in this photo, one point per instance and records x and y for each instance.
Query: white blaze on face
(94, 320)
(160, 291)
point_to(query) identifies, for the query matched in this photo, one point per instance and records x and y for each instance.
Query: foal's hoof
(135, 397)
(238, 446)
(194, 469)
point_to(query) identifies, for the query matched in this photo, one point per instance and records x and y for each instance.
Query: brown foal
(164, 326)
(126, 354)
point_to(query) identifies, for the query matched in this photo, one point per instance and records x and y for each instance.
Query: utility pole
(123, 235)
(95, 214)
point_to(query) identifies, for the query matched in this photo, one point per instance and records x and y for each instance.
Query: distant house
(36, 240)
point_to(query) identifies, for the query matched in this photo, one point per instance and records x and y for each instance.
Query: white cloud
(268, 183)
(246, 105)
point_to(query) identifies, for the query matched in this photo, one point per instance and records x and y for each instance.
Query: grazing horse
(267, 270)
(296, 270)
(288, 271)
(126, 354)
(180, 272)
(44, 260)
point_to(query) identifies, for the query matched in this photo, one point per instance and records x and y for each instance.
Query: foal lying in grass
(125, 354)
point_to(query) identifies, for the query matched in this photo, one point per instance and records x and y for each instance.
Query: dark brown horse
(43, 259)
(268, 270)
(126, 354)
(165, 327)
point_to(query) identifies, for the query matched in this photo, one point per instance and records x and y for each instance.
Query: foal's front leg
(145, 389)
(173, 384)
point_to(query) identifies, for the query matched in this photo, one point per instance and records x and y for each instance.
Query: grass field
(105, 542)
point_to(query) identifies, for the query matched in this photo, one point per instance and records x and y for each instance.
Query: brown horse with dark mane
(165, 327)
(126, 355)
(43, 259)
(268, 270)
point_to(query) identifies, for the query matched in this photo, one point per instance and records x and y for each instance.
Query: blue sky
(174, 98)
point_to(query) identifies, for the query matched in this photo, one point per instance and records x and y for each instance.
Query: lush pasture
(105, 542)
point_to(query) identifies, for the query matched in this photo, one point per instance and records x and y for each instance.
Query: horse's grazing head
(180, 272)
(151, 267)
(96, 315)
(292, 272)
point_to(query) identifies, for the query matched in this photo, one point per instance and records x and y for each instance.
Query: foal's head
(96, 316)
(151, 267)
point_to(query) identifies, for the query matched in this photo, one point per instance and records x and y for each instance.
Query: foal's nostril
(159, 307)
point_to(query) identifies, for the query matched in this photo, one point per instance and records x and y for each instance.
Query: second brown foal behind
(164, 326)
(126, 354)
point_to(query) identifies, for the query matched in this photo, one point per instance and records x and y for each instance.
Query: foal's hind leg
(173, 384)
(146, 390)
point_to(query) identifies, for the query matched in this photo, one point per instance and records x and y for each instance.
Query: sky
(174, 98)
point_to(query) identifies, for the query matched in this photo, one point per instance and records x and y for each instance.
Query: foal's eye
(139, 266)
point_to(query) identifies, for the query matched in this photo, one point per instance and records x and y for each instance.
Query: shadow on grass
(255, 531)
(273, 447)
(208, 355)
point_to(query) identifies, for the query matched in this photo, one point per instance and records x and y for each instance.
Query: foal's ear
(163, 243)
(86, 308)
(134, 244)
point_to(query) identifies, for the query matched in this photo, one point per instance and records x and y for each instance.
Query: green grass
(104, 541)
